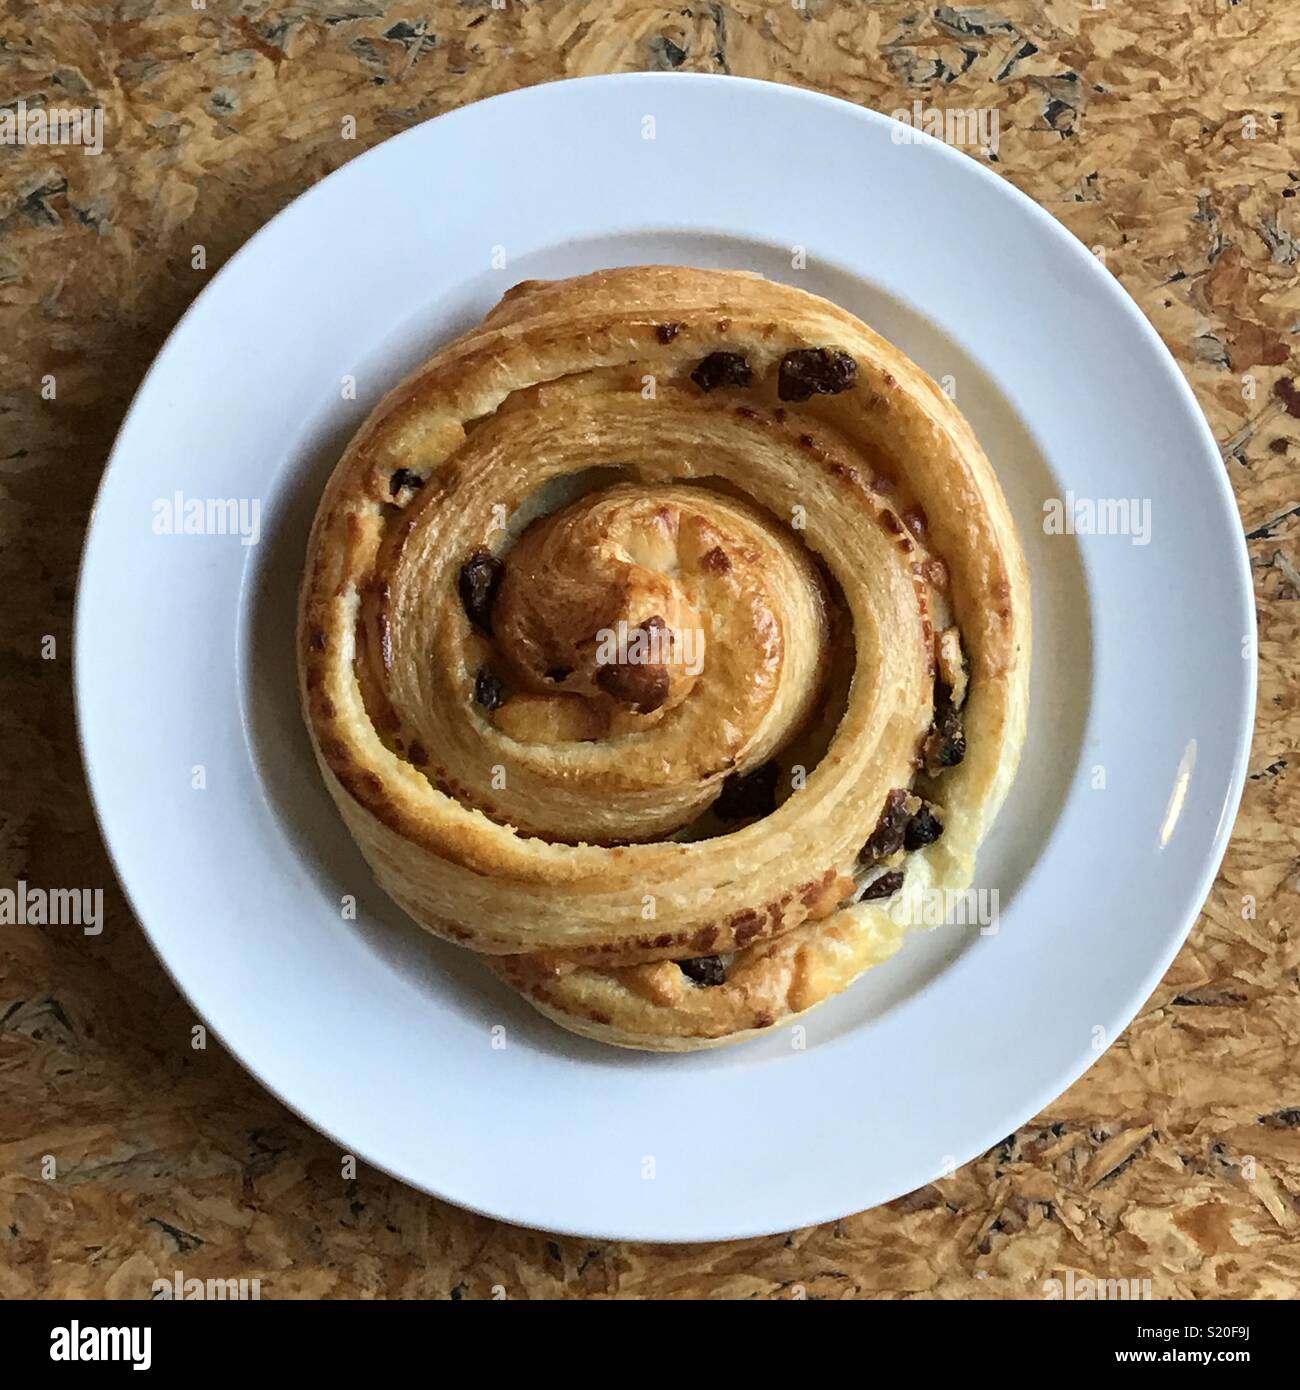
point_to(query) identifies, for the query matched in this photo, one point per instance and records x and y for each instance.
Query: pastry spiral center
(622, 658)
(597, 601)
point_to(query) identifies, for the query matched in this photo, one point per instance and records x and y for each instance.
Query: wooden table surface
(1165, 132)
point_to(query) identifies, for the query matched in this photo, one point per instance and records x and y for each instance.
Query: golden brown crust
(513, 788)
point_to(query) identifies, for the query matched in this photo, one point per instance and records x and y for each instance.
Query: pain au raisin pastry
(665, 641)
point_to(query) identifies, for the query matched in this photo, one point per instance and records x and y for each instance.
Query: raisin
(559, 673)
(887, 837)
(722, 369)
(716, 561)
(883, 887)
(746, 796)
(404, 478)
(815, 371)
(480, 578)
(704, 970)
(488, 690)
(945, 744)
(666, 332)
(644, 688)
(923, 829)
(641, 685)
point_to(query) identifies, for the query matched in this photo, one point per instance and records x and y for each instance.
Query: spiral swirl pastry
(665, 641)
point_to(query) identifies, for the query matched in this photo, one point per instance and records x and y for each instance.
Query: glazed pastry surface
(665, 641)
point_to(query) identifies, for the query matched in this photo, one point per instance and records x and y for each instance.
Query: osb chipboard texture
(1176, 1158)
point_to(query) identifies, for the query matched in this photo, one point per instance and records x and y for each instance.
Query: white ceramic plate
(383, 1038)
